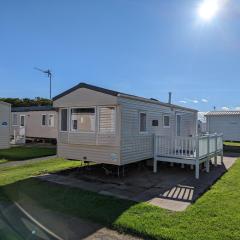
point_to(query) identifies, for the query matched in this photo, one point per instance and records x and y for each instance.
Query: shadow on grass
(61, 209)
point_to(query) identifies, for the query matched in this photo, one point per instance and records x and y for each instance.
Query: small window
(166, 121)
(44, 120)
(83, 119)
(154, 123)
(64, 116)
(22, 121)
(143, 122)
(51, 120)
(74, 124)
(15, 119)
(107, 119)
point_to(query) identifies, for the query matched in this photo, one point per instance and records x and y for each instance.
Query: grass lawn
(215, 215)
(23, 153)
(235, 144)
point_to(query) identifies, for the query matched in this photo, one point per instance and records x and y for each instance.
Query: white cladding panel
(98, 154)
(127, 144)
(83, 97)
(136, 146)
(228, 125)
(5, 125)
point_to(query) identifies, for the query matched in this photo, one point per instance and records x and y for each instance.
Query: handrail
(194, 147)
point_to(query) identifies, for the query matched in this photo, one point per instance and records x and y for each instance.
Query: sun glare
(208, 9)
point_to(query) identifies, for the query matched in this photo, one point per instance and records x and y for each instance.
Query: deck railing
(187, 147)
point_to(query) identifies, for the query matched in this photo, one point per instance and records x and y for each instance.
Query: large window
(107, 119)
(15, 119)
(166, 121)
(143, 122)
(51, 120)
(64, 117)
(83, 119)
(44, 119)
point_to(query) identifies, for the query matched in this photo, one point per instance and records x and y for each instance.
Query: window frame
(46, 122)
(115, 120)
(53, 123)
(16, 119)
(60, 118)
(20, 124)
(166, 126)
(70, 120)
(139, 122)
(178, 115)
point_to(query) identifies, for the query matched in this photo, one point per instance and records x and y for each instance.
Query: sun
(208, 9)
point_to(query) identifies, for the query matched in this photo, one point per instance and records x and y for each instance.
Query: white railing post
(155, 153)
(197, 159)
(208, 153)
(215, 155)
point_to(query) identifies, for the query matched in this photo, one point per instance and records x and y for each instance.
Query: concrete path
(23, 162)
(171, 188)
(27, 220)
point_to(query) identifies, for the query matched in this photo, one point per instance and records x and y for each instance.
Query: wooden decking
(188, 150)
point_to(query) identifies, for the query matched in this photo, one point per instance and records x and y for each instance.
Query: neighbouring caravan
(34, 123)
(105, 126)
(5, 115)
(225, 122)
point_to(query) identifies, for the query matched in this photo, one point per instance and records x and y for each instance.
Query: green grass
(14, 174)
(23, 153)
(3, 161)
(235, 144)
(215, 215)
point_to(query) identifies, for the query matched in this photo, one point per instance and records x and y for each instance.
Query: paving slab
(173, 188)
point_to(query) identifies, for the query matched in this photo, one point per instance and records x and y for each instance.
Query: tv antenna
(49, 75)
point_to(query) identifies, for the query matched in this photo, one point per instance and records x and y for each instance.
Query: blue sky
(142, 47)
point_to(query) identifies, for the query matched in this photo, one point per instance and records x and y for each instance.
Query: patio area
(172, 187)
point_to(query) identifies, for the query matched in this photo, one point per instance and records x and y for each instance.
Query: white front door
(22, 125)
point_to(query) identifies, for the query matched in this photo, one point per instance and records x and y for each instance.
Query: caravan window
(142, 122)
(22, 120)
(15, 119)
(166, 121)
(83, 119)
(107, 119)
(51, 120)
(64, 117)
(44, 119)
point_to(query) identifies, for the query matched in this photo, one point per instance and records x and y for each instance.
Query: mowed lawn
(24, 153)
(215, 215)
(235, 144)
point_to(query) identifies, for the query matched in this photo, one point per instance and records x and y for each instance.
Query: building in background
(36, 123)
(5, 116)
(225, 122)
(202, 123)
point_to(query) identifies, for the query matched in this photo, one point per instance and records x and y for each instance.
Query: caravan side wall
(136, 145)
(90, 146)
(33, 124)
(5, 113)
(228, 125)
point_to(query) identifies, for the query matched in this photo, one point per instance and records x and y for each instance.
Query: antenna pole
(50, 78)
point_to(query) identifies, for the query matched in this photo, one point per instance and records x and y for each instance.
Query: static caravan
(5, 114)
(225, 122)
(105, 126)
(34, 123)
